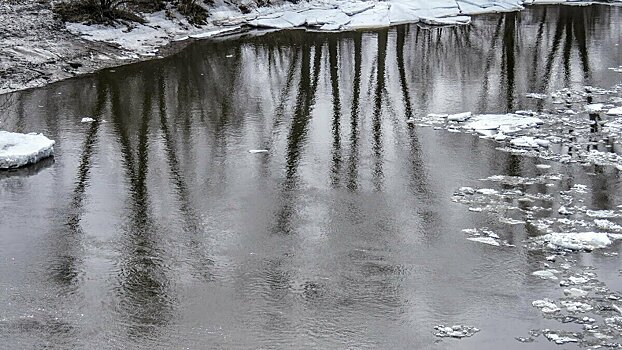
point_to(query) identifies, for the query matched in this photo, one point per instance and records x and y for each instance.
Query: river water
(155, 228)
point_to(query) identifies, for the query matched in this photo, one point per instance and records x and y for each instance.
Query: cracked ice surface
(17, 150)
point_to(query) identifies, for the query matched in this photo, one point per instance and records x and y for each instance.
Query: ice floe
(255, 151)
(615, 111)
(576, 293)
(17, 150)
(546, 274)
(546, 306)
(456, 331)
(577, 240)
(505, 123)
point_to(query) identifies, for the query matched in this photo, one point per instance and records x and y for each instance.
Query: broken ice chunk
(17, 150)
(594, 108)
(601, 214)
(546, 306)
(485, 240)
(615, 111)
(607, 225)
(529, 142)
(560, 339)
(258, 151)
(575, 292)
(460, 117)
(536, 95)
(87, 120)
(577, 240)
(575, 306)
(546, 274)
(456, 331)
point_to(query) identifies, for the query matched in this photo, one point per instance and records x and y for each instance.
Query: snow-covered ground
(317, 15)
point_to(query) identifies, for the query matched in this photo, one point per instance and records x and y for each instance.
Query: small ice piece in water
(507, 123)
(546, 306)
(578, 240)
(601, 214)
(459, 117)
(554, 337)
(487, 191)
(536, 95)
(529, 142)
(575, 306)
(543, 166)
(575, 293)
(17, 150)
(577, 280)
(564, 211)
(546, 274)
(456, 331)
(615, 111)
(594, 108)
(500, 136)
(485, 240)
(258, 151)
(606, 225)
(410, 120)
(87, 120)
(511, 221)
(466, 190)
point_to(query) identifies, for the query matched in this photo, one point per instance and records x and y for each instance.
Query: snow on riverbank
(317, 15)
(17, 150)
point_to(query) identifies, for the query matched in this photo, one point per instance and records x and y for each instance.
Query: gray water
(155, 228)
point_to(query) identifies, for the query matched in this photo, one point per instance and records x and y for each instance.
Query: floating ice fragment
(578, 280)
(543, 166)
(594, 108)
(615, 111)
(529, 142)
(575, 292)
(546, 306)
(606, 225)
(17, 150)
(507, 123)
(601, 213)
(511, 221)
(564, 211)
(466, 190)
(560, 339)
(485, 240)
(258, 151)
(487, 191)
(577, 240)
(87, 120)
(546, 274)
(456, 331)
(575, 306)
(460, 117)
(536, 95)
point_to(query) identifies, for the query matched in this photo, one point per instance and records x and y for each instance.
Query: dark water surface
(157, 229)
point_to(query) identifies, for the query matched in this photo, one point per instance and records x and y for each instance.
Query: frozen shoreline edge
(225, 25)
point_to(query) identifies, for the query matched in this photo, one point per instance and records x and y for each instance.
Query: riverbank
(37, 49)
